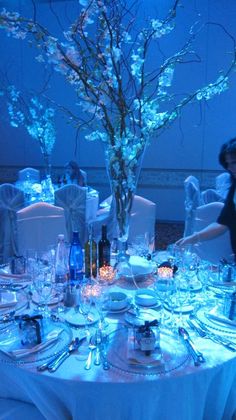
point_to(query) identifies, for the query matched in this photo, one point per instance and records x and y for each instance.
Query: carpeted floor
(168, 233)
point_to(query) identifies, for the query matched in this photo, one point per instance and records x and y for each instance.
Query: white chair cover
(223, 182)
(18, 410)
(214, 249)
(11, 200)
(105, 216)
(39, 225)
(192, 201)
(210, 196)
(73, 199)
(29, 174)
(142, 219)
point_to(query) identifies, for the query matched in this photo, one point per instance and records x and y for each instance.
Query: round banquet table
(204, 392)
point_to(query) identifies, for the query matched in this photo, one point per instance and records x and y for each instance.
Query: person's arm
(210, 232)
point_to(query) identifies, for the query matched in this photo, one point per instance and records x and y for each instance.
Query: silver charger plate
(10, 339)
(174, 354)
(202, 315)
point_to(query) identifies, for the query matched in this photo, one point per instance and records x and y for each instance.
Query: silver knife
(74, 345)
(197, 356)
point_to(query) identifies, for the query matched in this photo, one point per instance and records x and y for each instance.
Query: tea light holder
(107, 274)
(165, 272)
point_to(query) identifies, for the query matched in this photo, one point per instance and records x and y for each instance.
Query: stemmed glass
(161, 287)
(85, 303)
(43, 285)
(101, 300)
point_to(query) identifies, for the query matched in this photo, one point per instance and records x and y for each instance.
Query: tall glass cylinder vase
(123, 173)
(47, 185)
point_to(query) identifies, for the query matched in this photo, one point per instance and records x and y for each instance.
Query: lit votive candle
(165, 273)
(107, 274)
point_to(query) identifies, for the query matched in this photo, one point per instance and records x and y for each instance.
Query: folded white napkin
(50, 339)
(137, 357)
(7, 299)
(217, 315)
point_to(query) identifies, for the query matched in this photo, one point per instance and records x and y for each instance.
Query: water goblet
(161, 289)
(85, 303)
(101, 300)
(43, 285)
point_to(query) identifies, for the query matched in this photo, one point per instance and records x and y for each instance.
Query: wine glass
(101, 300)
(43, 285)
(161, 286)
(85, 303)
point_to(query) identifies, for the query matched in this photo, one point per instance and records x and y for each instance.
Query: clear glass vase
(123, 176)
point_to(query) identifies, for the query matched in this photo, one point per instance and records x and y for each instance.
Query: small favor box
(31, 330)
(147, 337)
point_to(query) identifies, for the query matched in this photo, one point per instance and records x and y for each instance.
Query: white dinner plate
(7, 299)
(76, 319)
(52, 301)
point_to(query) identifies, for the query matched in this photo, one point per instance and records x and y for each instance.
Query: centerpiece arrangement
(37, 119)
(123, 100)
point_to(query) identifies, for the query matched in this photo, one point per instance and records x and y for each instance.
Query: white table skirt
(190, 393)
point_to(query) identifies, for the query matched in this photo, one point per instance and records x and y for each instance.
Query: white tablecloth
(189, 393)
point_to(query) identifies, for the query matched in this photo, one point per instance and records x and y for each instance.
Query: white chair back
(11, 200)
(214, 249)
(223, 182)
(192, 201)
(39, 225)
(29, 174)
(142, 220)
(73, 200)
(106, 215)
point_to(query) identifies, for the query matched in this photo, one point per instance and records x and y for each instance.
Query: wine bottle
(90, 253)
(104, 249)
(61, 261)
(76, 260)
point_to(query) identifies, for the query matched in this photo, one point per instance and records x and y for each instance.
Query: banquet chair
(106, 215)
(72, 198)
(192, 201)
(38, 226)
(29, 174)
(11, 200)
(217, 248)
(142, 220)
(222, 184)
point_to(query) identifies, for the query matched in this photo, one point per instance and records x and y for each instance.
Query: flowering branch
(31, 114)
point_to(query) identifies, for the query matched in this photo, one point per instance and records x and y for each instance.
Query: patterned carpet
(168, 233)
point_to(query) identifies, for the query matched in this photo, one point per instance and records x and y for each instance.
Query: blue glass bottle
(76, 260)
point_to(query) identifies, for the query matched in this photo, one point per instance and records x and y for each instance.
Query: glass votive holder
(107, 275)
(164, 273)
